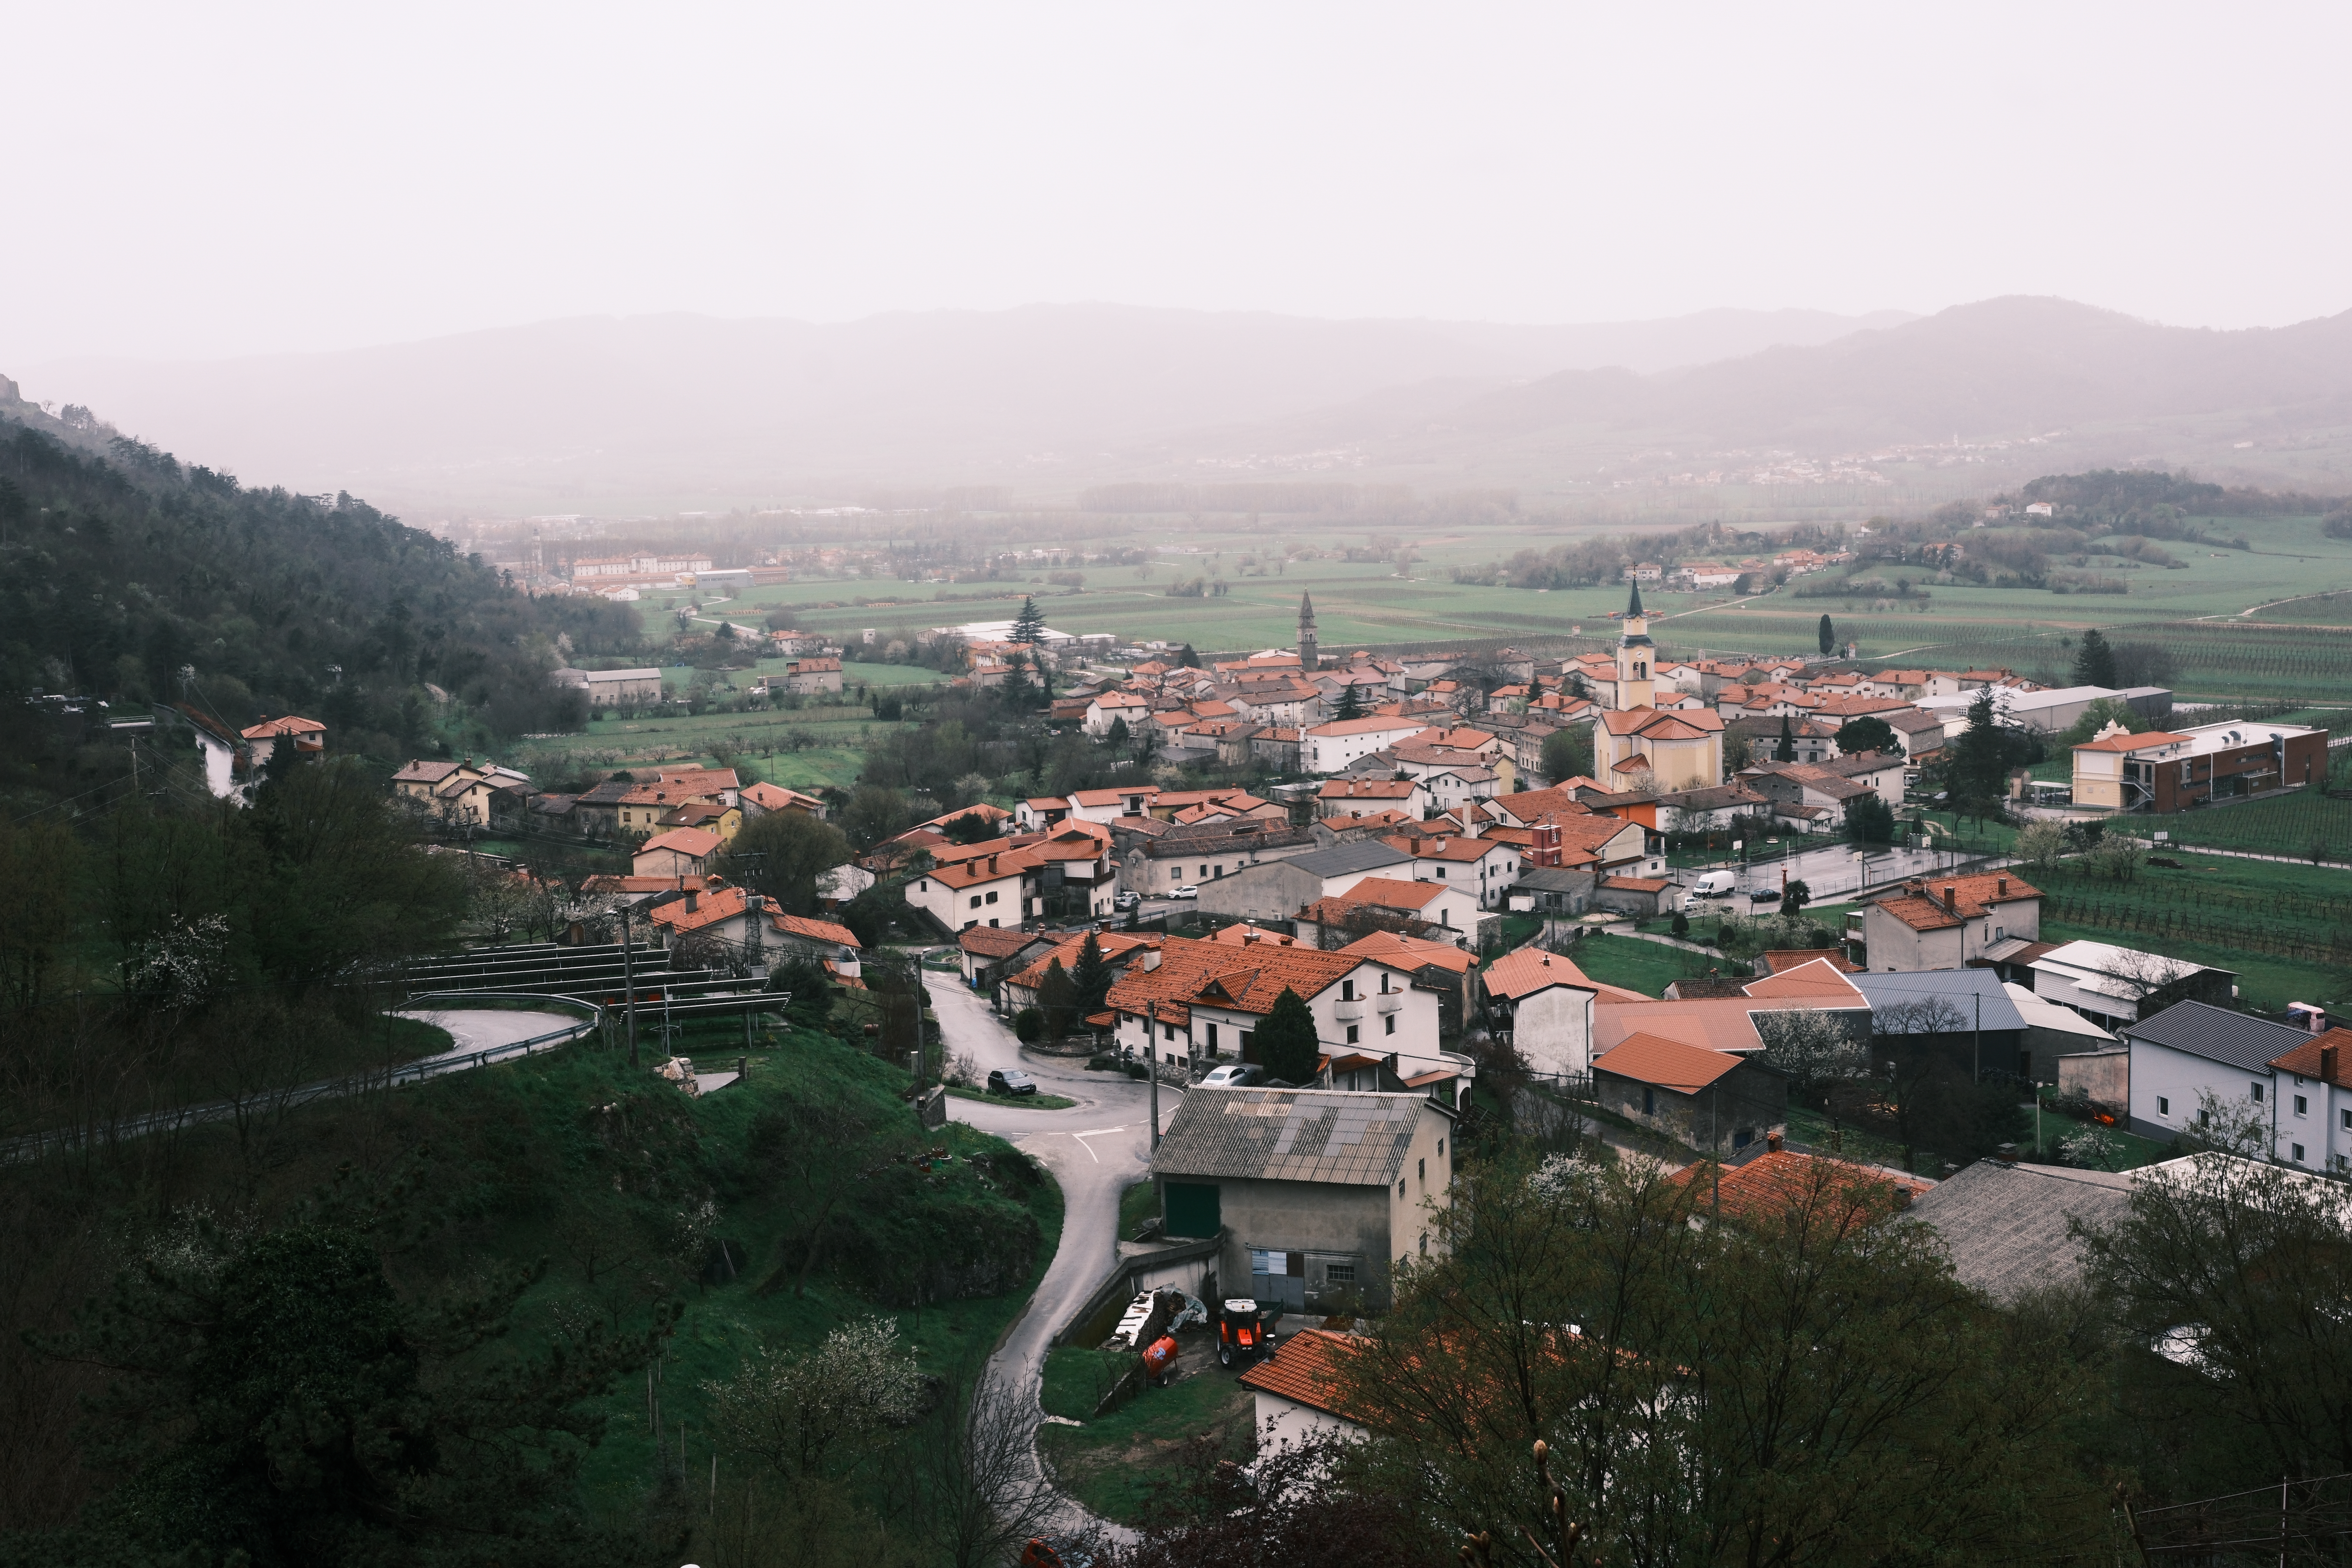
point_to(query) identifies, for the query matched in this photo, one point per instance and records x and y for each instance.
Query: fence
(33, 1145)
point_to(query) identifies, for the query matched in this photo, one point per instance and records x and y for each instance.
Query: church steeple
(1635, 652)
(1308, 662)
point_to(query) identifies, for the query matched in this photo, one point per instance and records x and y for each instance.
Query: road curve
(1095, 1150)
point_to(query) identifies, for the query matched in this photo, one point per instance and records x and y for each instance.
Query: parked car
(1765, 896)
(1014, 1081)
(1185, 893)
(1234, 1074)
(1127, 900)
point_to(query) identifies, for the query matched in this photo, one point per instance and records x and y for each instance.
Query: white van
(1714, 885)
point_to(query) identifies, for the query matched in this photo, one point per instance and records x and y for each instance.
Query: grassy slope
(522, 1164)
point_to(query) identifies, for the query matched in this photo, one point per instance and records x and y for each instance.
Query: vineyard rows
(2287, 925)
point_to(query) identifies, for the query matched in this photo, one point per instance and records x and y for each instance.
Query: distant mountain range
(607, 414)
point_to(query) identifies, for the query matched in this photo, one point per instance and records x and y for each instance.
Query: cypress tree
(1829, 636)
(1285, 1041)
(1091, 979)
(1786, 750)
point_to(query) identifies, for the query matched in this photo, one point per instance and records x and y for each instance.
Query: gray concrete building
(1314, 1194)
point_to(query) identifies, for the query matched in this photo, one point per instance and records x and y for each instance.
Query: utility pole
(1975, 1044)
(629, 982)
(1152, 1064)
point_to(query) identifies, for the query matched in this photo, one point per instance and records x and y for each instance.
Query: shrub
(1029, 1026)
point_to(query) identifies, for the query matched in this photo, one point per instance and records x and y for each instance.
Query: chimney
(2327, 1064)
(1951, 899)
(692, 898)
(1150, 958)
(2000, 885)
(1774, 1142)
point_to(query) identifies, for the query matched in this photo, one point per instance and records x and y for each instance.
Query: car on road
(1012, 1081)
(1127, 900)
(1234, 1074)
(1765, 896)
(1184, 893)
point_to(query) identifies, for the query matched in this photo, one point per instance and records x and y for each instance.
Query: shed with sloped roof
(1314, 1194)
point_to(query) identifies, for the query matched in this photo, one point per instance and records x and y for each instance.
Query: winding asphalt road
(1096, 1150)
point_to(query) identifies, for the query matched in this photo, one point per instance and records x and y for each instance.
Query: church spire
(1309, 660)
(1634, 606)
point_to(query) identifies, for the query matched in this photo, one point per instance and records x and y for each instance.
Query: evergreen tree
(1568, 753)
(1352, 704)
(1285, 1041)
(1979, 760)
(1029, 626)
(1829, 636)
(1870, 820)
(1786, 749)
(1016, 689)
(2094, 660)
(1867, 733)
(1186, 658)
(1093, 977)
(1058, 999)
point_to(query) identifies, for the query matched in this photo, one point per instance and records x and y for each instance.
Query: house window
(975, 900)
(1205, 871)
(2302, 1106)
(1399, 1186)
(1649, 1103)
(2163, 1106)
(2298, 1153)
(2347, 1121)
(1338, 1274)
(1423, 1171)
(2204, 1119)
(992, 898)
(1441, 1143)
(1353, 1030)
(2258, 1094)
(1212, 1039)
(1167, 1031)
(1391, 1024)
(1347, 991)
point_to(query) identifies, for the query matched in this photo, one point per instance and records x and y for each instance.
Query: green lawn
(1113, 1464)
(1038, 1102)
(1648, 967)
(1077, 1379)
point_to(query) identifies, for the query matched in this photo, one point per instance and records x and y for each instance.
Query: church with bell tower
(1638, 748)
(1308, 662)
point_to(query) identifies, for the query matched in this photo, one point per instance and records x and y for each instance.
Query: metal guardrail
(32, 1144)
(432, 1067)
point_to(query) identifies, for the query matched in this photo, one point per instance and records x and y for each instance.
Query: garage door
(1191, 1209)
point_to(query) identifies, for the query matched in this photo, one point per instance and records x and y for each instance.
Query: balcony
(1347, 1012)
(1387, 1001)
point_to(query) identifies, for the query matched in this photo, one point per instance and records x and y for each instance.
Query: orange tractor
(1244, 1332)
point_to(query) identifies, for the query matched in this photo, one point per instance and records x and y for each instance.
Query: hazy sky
(198, 180)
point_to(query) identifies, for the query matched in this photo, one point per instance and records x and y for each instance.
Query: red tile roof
(1304, 1369)
(2305, 1060)
(1668, 1063)
(1530, 969)
(693, 842)
(1779, 1180)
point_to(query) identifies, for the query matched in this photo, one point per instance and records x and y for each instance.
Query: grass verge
(1114, 1466)
(1041, 1100)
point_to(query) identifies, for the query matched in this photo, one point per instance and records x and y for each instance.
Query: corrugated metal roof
(2005, 1226)
(2217, 1035)
(1290, 1134)
(1960, 987)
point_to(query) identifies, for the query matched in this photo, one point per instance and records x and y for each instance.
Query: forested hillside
(133, 577)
